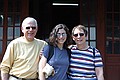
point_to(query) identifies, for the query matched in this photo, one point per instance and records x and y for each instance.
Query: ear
(73, 38)
(86, 37)
(37, 28)
(22, 29)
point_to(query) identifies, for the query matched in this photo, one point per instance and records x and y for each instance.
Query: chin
(61, 42)
(30, 39)
(79, 43)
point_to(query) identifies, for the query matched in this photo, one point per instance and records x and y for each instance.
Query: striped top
(83, 63)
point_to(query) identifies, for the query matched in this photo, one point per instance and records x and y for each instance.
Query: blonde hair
(79, 27)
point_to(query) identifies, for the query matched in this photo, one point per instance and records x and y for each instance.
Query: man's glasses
(80, 34)
(61, 34)
(31, 27)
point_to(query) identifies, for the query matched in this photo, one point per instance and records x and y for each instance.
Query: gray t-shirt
(59, 61)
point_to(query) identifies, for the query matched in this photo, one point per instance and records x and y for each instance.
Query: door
(102, 18)
(11, 14)
(112, 23)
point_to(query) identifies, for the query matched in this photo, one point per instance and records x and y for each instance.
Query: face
(79, 36)
(29, 30)
(61, 36)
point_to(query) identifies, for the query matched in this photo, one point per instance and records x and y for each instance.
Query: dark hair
(79, 27)
(53, 35)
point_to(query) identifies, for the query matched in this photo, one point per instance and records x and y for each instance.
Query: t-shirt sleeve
(8, 58)
(46, 51)
(98, 59)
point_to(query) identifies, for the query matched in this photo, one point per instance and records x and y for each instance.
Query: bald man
(20, 61)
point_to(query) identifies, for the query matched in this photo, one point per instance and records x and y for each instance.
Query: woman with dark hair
(60, 39)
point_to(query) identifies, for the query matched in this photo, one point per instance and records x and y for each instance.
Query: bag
(48, 70)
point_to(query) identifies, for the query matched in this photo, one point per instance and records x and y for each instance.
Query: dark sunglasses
(80, 34)
(30, 27)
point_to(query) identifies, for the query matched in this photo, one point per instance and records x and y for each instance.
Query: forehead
(78, 31)
(28, 23)
(61, 31)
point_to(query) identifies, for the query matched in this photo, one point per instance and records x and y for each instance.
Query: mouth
(61, 40)
(79, 39)
(30, 33)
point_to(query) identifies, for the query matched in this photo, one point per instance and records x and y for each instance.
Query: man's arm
(99, 73)
(4, 76)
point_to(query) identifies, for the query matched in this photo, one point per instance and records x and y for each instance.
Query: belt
(22, 78)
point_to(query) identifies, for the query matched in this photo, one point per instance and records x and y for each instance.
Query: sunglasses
(30, 27)
(80, 34)
(61, 34)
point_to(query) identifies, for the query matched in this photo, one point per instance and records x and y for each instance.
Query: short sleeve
(46, 51)
(98, 59)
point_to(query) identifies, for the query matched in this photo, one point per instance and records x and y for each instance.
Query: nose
(31, 28)
(78, 36)
(61, 36)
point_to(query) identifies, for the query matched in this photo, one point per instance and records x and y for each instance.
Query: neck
(29, 40)
(60, 46)
(83, 47)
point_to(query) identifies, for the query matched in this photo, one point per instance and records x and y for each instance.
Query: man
(20, 61)
(86, 62)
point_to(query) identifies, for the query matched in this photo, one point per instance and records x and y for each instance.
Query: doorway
(66, 14)
(49, 15)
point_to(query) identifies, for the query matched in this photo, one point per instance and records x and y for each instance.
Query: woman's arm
(99, 73)
(42, 64)
(4, 76)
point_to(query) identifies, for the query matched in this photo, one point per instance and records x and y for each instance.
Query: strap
(69, 53)
(94, 52)
(51, 52)
(94, 55)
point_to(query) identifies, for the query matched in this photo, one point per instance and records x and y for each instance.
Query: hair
(53, 35)
(79, 27)
(28, 20)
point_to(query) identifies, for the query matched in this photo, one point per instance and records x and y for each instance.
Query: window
(13, 30)
(1, 25)
(9, 22)
(88, 18)
(112, 13)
